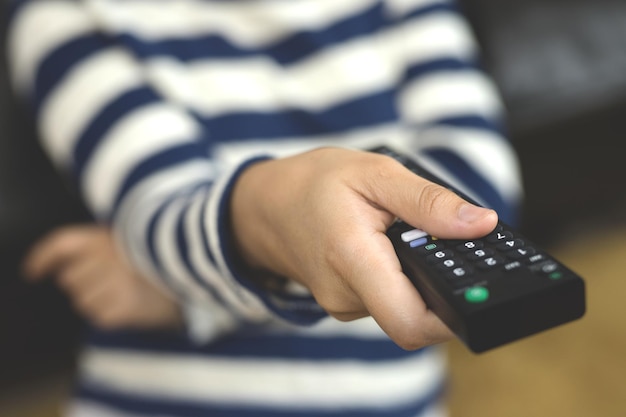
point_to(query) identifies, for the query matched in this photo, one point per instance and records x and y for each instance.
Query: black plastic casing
(522, 301)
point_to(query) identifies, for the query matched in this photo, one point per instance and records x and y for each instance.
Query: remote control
(489, 291)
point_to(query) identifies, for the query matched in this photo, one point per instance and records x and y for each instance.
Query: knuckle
(384, 166)
(334, 287)
(410, 341)
(67, 241)
(380, 169)
(339, 254)
(432, 197)
(332, 307)
(346, 317)
(108, 320)
(410, 345)
(333, 296)
(330, 296)
(412, 332)
(91, 314)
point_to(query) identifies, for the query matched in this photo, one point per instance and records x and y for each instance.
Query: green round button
(476, 294)
(556, 275)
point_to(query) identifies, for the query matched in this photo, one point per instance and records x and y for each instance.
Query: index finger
(392, 300)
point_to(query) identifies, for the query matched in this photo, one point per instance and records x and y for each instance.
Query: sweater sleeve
(140, 162)
(453, 107)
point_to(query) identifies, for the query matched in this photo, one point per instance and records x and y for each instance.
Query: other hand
(102, 286)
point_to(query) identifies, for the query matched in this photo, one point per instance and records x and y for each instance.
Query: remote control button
(479, 254)
(490, 262)
(520, 252)
(449, 264)
(430, 248)
(476, 295)
(460, 272)
(536, 258)
(439, 256)
(546, 267)
(469, 245)
(418, 242)
(555, 275)
(499, 236)
(412, 235)
(512, 265)
(510, 244)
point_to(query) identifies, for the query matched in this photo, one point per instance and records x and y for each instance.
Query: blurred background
(561, 70)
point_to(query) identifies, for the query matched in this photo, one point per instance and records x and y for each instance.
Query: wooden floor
(577, 370)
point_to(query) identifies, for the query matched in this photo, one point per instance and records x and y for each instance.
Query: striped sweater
(154, 107)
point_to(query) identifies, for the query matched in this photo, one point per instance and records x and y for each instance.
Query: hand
(103, 287)
(320, 218)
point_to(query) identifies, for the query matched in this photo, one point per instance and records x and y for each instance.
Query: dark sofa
(38, 329)
(561, 68)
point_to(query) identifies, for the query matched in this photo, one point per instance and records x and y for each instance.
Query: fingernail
(470, 213)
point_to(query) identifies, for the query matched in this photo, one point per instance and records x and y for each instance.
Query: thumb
(428, 206)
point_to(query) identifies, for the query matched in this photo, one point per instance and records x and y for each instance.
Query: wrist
(251, 249)
(244, 220)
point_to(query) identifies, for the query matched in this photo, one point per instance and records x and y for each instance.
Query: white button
(412, 235)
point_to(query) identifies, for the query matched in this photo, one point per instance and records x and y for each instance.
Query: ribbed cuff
(271, 289)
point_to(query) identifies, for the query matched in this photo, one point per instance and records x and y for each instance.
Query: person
(239, 264)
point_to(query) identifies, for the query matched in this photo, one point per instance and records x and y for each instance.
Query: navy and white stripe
(294, 371)
(156, 106)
